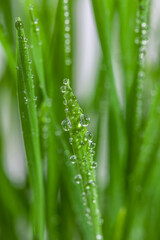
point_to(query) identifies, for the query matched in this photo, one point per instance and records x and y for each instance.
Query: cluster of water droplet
(28, 92)
(45, 120)
(141, 41)
(35, 25)
(76, 124)
(67, 33)
(141, 31)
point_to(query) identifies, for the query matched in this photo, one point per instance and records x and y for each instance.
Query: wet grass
(72, 188)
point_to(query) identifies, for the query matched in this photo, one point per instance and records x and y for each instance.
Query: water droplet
(92, 144)
(18, 24)
(65, 1)
(92, 152)
(66, 124)
(68, 62)
(136, 41)
(66, 14)
(66, 81)
(35, 98)
(71, 140)
(67, 42)
(67, 28)
(30, 61)
(31, 7)
(67, 49)
(20, 37)
(144, 42)
(37, 29)
(26, 100)
(84, 120)
(144, 32)
(63, 89)
(65, 102)
(67, 35)
(144, 25)
(78, 179)
(91, 182)
(88, 136)
(67, 21)
(17, 68)
(94, 165)
(66, 8)
(73, 159)
(99, 237)
(36, 21)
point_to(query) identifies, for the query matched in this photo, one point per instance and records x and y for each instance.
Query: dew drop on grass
(91, 182)
(20, 37)
(73, 159)
(66, 124)
(63, 89)
(65, 102)
(84, 120)
(71, 140)
(78, 179)
(36, 21)
(99, 237)
(88, 136)
(18, 24)
(68, 62)
(92, 145)
(92, 152)
(94, 165)
(37, 29)
(66, 81)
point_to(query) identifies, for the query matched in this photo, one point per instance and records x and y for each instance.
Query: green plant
(63, 195)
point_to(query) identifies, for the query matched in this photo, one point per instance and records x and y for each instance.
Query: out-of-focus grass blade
(6, 8)
(28, 113)
(117, 139)
(37, 50)
(9, 52)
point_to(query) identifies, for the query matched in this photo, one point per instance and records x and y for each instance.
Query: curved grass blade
(83, 148)
(28, 114)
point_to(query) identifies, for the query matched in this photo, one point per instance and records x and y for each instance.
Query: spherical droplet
(94, 164)
(65, 102)
(88, 136)
(73, 159)
(66, 81)
(63, 89)
(18, 24)
(99, 237)
(92, 144)
(66, 124)
(36, 21)
(37, 29)
(71, 140)
(78, 179)
(84, 120)
(91, 182)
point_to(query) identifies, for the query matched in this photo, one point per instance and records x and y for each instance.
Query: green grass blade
(29, 121)
(83, 148)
